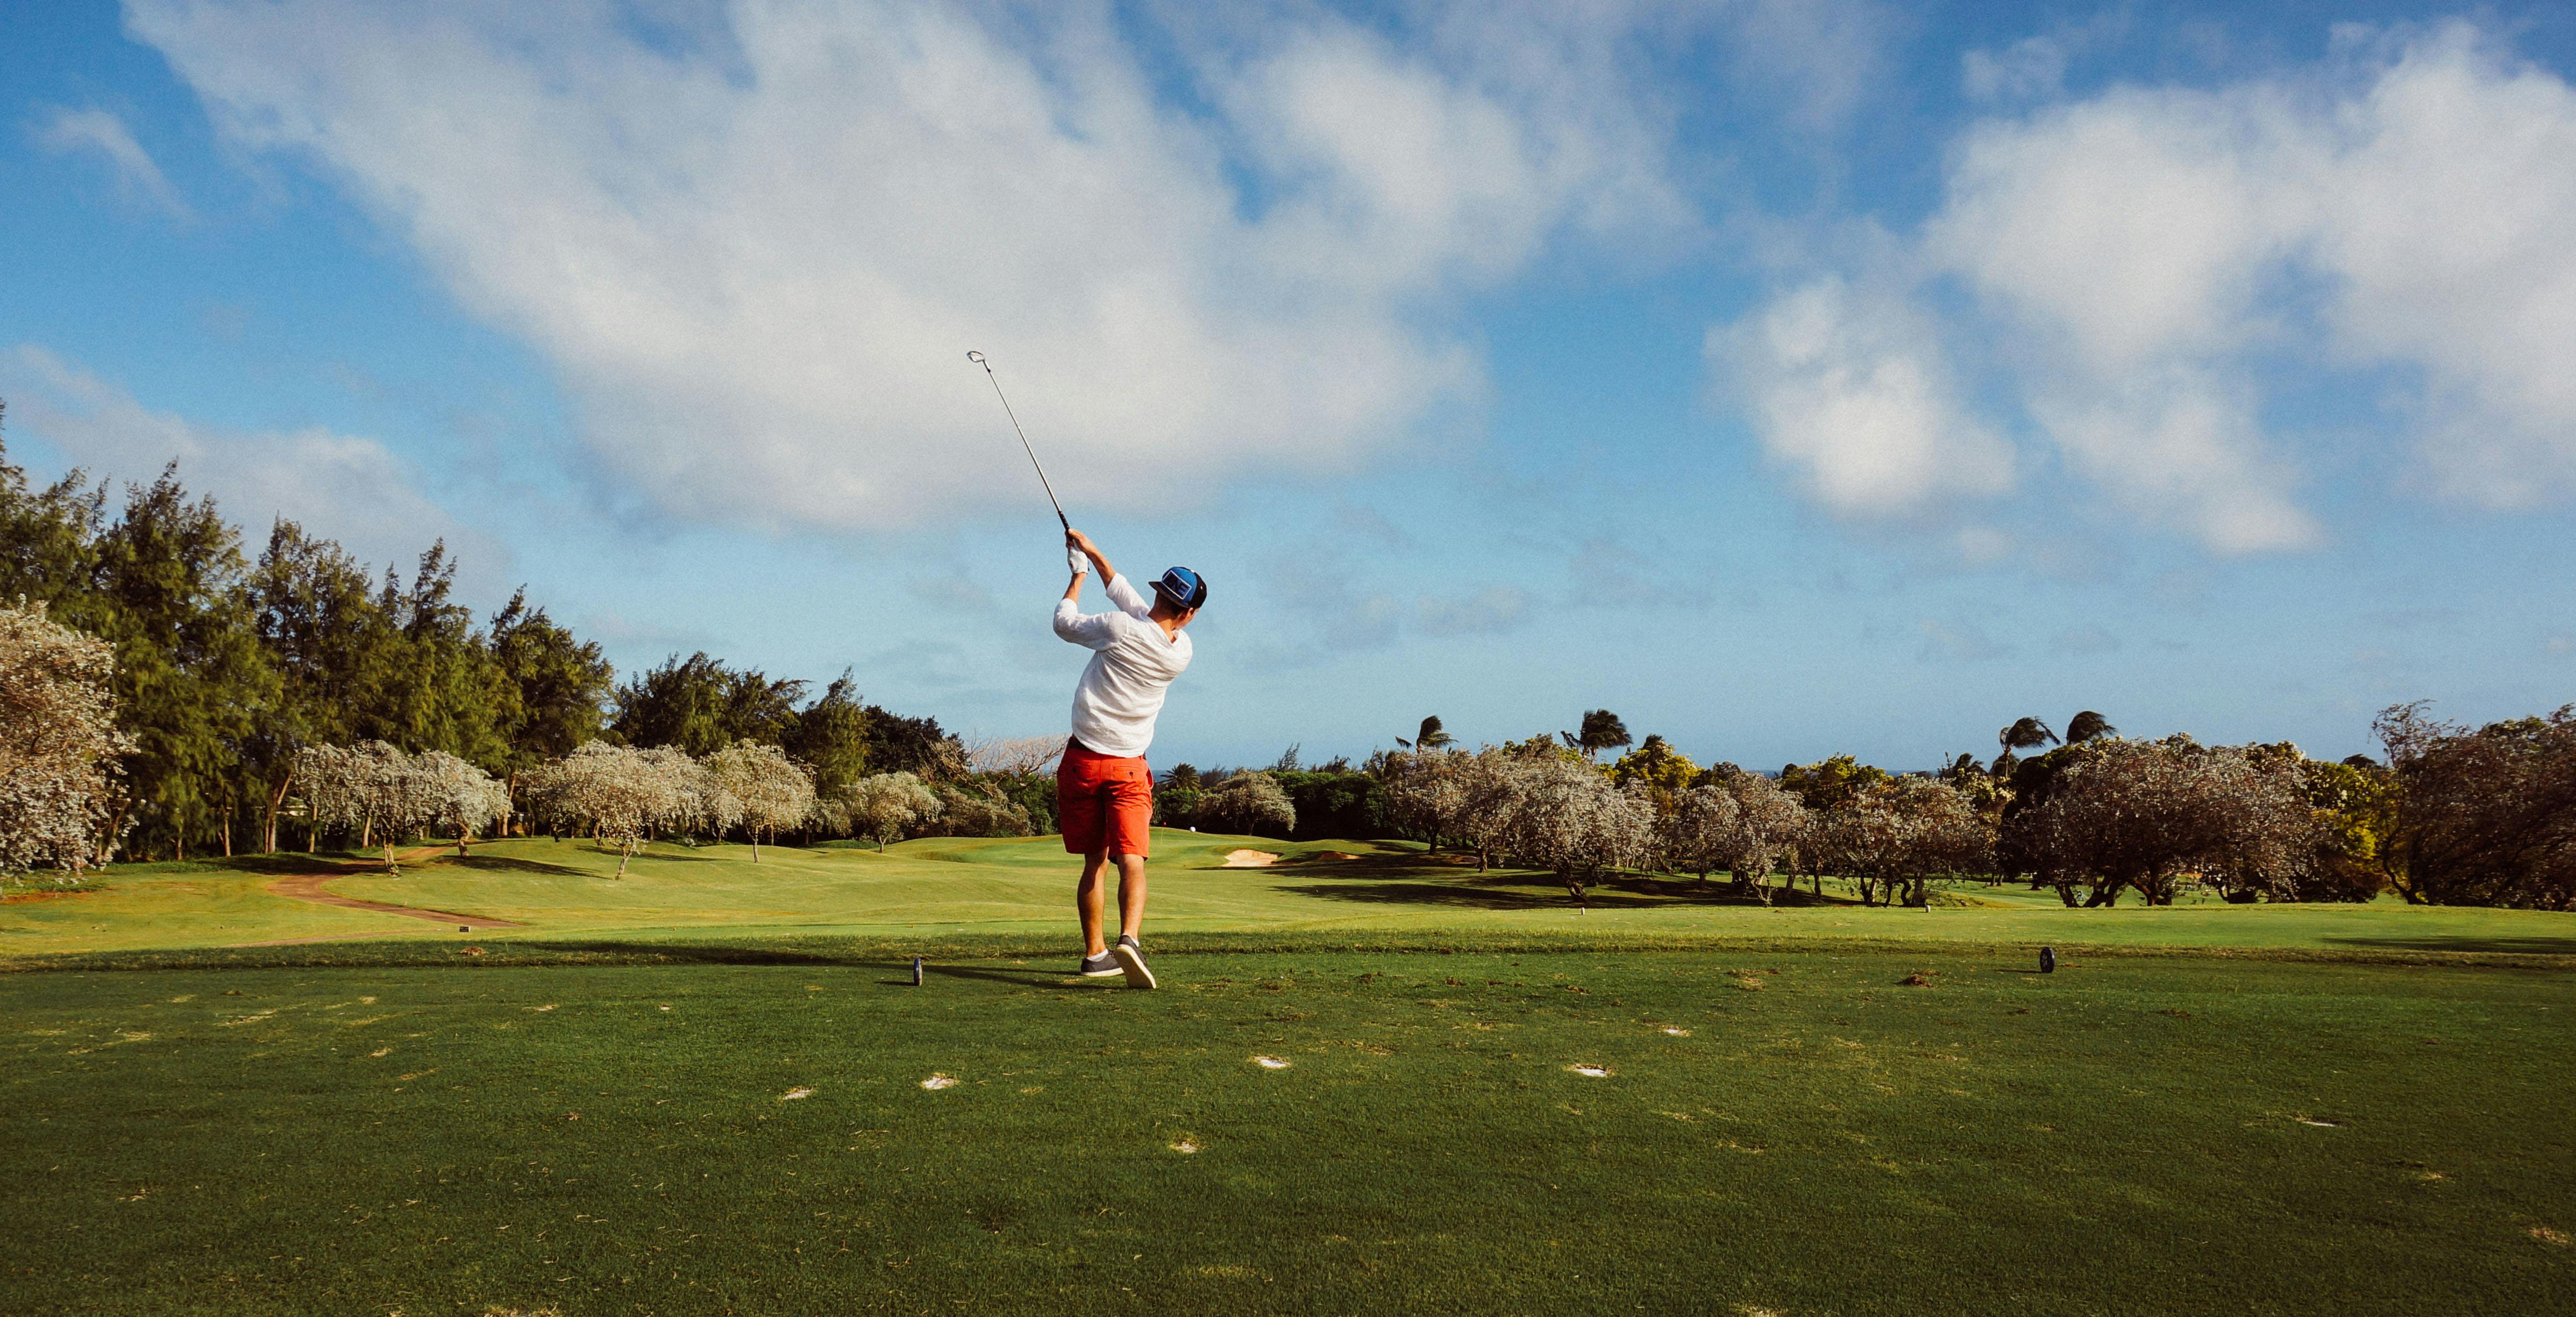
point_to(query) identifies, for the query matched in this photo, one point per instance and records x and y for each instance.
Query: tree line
(219, 668)
(162, 692)
(2451, 815)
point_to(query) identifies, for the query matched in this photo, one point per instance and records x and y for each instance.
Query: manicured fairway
(1786, 1132)
(1018, 891)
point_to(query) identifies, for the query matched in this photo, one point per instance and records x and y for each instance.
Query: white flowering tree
(883, 805)
(376, 791)
(1695, 833)
(1570, 817)
(619, 793)
(700, 801)
(59, 747)
(469, 799)
(1767, 822)
(1892, 837)
(1426, 789)
(770, 790)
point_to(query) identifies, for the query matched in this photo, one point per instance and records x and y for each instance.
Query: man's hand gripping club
(1082, 556)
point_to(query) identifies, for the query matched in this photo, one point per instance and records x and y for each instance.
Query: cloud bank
(348, 488)
(757, 249)
(2141, 275)
(68, 131)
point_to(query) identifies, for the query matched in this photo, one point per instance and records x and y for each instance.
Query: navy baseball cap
(1182, 587)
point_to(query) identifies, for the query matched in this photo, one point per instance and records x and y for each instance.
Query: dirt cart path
(308, 887)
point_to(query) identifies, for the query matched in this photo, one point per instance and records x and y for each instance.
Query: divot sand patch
(2321, 1124)
(1249, 859)
(1676, 1031)
(1591, 1071)
(795, 1094)
(1271, 1062)
(938, 1082)
(1185, 1146)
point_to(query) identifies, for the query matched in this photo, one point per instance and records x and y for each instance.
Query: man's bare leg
(1131, 897)
(1089, 897)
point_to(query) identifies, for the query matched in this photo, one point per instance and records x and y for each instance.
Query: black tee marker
(2048, 960)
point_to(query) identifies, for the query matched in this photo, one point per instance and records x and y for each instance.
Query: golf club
(1073, 557)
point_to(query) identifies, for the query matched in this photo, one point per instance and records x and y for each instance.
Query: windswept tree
(59, 746)
(883, 805)
(2143, 814)
(2088, 726)
(1491, 783)
(771, 790)
(1251, 803)
(2484, 817)
(1767, 823)
(1694, 833)
(2022, 734)
(1426, 792)
(1430, 737)
(1569, 818)
(1894, 837)
(1600, 730)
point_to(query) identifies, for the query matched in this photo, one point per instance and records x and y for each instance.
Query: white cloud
(67, 130)
(2451, 198)
(2156, 266)
(2036, 66)
(2031, 66)
(1850, 387)
(1829, 55)
(758, 262)
(347, 488)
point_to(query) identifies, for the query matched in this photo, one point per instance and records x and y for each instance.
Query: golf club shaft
(978, 359)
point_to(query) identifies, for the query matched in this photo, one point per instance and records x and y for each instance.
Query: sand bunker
(1249, 859)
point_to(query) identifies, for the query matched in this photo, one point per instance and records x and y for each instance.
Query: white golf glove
(1073, 558)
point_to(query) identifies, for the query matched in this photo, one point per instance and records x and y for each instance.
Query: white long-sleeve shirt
(1132, 664)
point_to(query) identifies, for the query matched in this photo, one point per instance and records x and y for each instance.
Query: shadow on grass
(2519, 946)
(512, 864)
(1405, 880)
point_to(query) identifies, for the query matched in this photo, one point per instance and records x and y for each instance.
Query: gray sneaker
(1100, 966)
(1131, 958)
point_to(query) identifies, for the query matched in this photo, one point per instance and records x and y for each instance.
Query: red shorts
(1104, 804)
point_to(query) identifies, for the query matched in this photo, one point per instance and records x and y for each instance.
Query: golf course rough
(2266, 1110)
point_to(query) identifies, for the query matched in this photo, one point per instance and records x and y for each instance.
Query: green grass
(2131, 1134)
(2268, 1109)
(1016, 893)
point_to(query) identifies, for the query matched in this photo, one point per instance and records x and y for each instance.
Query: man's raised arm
(1122, 592)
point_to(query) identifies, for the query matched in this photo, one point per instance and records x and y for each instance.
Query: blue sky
(1790, 378)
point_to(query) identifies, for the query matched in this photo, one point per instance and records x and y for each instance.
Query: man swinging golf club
(1104, 792)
